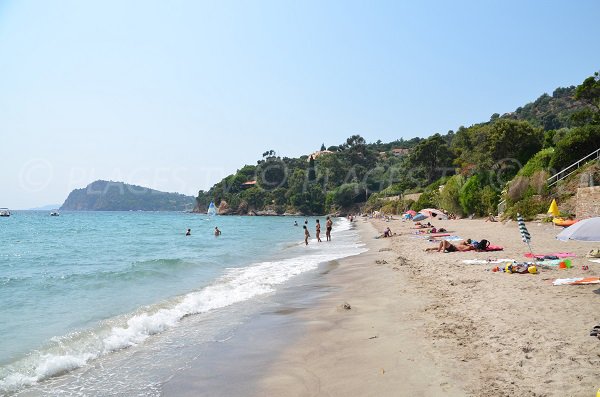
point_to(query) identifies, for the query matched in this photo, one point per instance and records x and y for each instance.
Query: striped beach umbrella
(525, 236)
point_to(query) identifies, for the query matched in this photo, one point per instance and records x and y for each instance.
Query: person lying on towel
(447, 246)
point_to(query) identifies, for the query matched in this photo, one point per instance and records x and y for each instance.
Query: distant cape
(118, 196)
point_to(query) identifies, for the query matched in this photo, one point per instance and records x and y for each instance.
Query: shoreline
(428, 324)
(371, 349)
(419, 324)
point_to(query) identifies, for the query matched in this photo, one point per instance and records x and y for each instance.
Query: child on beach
(306, 235)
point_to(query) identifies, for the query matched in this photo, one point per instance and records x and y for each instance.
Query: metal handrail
(585, 159)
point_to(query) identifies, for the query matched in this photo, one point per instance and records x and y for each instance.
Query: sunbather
(491, 218)
(447, 246)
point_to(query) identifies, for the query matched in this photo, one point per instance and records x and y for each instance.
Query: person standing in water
(189, 232)
(306, 235)
(318, 227)
(217, 232)
(328, 227)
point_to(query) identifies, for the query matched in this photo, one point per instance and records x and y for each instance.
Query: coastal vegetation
(118, 196)
(467, 172)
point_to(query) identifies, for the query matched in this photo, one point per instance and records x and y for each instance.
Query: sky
(177, 95)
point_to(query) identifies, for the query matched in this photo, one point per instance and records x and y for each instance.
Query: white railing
(553, 180)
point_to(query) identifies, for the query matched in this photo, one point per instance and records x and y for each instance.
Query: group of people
(217, 232)
(328, 227)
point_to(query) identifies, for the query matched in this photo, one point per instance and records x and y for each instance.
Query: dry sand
(425, 324)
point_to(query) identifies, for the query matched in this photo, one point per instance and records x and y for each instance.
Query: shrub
(449, 195)
(577, 143)
(528, 207)
(540, 161)
(470, 196)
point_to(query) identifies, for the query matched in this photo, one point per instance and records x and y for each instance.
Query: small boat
(564, 222)
(54, 213)
(4, 212)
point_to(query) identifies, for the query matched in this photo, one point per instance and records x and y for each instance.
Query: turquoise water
(86, 287)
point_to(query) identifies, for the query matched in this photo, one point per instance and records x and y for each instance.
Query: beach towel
(453, 238)
(485, 262)
(576, 281)
(494, 248)
(551, 256)
(438, 235)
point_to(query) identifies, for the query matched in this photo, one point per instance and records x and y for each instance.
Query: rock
(347, 306)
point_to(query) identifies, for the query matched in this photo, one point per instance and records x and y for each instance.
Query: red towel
(494, 248)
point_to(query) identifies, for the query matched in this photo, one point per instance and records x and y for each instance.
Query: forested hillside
(467, 171)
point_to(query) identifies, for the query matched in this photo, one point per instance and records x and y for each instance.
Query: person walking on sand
(328, 226)
(318, 227)
(217, 232)
(306, 235)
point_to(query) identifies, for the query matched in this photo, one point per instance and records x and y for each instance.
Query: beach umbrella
(585, 230)
(434, 213)
(419, 217)
(524, 232)
(553, 209)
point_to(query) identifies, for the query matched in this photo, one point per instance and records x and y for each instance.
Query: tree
(577, 143)
(312, 175)
(589, 91)
(434, 156)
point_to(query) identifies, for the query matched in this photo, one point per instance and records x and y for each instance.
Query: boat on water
(4, 212)
(54, 213)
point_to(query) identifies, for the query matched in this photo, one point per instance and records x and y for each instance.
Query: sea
(116, 303)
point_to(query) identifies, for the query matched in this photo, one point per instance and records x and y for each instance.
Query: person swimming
(189, 232)
(295, 223)
(217, 232)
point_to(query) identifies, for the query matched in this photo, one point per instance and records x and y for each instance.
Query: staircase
(554, 179)
(559, 176)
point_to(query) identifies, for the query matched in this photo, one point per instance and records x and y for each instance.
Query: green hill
(118, 196)
(467, 172)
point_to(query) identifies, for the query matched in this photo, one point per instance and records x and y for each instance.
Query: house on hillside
(318, 153)
(399, 152)
(248, 184)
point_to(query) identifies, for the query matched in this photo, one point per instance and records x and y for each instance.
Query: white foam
(236, 285)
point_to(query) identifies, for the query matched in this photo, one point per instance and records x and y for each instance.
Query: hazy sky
(175, 95)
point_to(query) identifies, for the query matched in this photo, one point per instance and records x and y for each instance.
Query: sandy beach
(427, 324)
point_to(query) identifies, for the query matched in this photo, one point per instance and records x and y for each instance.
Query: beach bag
(594, 254)
(482, 245)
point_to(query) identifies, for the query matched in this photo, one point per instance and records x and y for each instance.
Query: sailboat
(212, 210)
